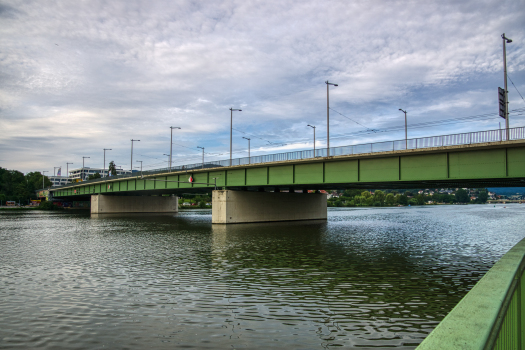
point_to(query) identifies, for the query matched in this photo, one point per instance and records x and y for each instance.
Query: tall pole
(505, 41)
(83, 171)
(164, 154)
(202, 156)
(104, 171)
(171, 144)
(45, 171)
(132, 155)
(406, 134)
(140, 167)
(231, 127)
(313, 127)
(246, 138)
(67, 171)
(328, 117)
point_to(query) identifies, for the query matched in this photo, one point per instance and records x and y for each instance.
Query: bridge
(251, 189)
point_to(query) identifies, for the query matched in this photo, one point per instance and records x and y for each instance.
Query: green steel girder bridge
(481, 159)
(250, 189)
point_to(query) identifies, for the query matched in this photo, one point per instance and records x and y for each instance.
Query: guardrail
(492, 314)
(497, 135)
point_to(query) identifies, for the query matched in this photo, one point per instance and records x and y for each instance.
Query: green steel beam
(491, 165)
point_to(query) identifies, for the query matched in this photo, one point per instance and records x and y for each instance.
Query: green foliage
(48, 206)
(14, 186)
(462, 196)
(482, 197)
(403, 200)
(94, 176)
(112, 169)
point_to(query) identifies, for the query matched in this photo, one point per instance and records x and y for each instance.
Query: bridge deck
(491, 164)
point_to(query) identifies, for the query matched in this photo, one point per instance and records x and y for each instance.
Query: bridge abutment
(108, 204)
(231, 207)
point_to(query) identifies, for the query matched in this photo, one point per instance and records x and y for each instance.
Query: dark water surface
(366, 278)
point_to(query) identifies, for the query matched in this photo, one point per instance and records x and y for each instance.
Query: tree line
(15, 186)
(360, 198)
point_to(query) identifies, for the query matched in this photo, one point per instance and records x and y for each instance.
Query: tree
(403, 199)
(420, 198)
(94, 176)
(379, 196)
(390, 199)
(112, 168)
(462, 196)
(483, 196)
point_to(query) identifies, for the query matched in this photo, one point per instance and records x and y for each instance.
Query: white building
(83, 173)
(59, 180)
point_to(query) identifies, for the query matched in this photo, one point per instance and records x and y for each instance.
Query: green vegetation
(197, 201)
(112, 168)
(94, 176)
(15, 186)
(388, 198)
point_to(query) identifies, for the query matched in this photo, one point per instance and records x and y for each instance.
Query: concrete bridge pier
(109, 204)
(231, 207)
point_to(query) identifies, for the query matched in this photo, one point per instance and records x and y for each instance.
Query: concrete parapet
(107, 204)
(231, 207)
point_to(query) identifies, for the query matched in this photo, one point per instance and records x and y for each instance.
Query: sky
(80, 76)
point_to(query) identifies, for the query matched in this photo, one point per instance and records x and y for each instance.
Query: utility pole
(83, 171)
(132, 155)
(406, 134)
(231, 127)
(313, 127)
(202, 156)
(171, 144)
(104, 170)
(506, 41)
(328, 117)
(45, 171)
(67, 171)
(246, 138)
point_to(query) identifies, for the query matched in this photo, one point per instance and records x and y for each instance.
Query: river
(365, 278)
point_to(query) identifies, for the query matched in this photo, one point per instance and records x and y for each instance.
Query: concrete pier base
(106, 204)
(231, 207)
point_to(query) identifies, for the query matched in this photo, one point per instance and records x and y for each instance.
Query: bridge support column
(231, 207)
(108, 204)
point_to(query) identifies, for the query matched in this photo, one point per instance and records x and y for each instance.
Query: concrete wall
(107, 204)
(242, 206)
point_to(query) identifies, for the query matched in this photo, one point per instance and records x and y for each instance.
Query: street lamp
(45, 171)
(406, 134)
(132, 155)
(171, 144)
(231, 127)
(246, 138)
(83, 171)
(104, 171)
(67, 171)
(313, 127)
(140, 167)
(328, 117)
(164, 154)
(506, 41)
(202, 156)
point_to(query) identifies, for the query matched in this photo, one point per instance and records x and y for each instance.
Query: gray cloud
(90, 75)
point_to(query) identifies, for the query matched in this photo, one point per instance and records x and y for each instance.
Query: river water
(366, 278)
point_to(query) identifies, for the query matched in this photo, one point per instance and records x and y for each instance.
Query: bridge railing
(397, 145)
(492, 314)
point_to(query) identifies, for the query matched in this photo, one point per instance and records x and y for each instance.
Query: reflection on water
(367, 278)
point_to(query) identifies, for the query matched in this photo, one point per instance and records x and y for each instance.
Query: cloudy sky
(80, 76)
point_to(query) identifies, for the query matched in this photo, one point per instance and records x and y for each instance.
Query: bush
(48, 206)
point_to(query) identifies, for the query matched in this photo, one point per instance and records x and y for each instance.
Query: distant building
(83, 173)
(59, 180)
